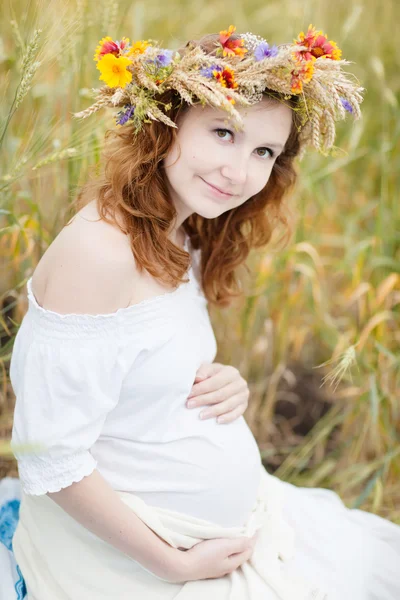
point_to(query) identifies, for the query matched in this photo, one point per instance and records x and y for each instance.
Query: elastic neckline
(144, 304)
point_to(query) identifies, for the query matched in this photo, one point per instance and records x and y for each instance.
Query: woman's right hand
(212, 559)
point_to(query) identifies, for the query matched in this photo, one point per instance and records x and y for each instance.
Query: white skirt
(310, 547)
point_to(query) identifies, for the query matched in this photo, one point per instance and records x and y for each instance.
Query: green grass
(324, 311)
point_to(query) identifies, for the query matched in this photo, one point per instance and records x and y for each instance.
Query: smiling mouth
(228, 194)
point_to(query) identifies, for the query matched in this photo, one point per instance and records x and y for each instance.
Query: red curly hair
(133, 185)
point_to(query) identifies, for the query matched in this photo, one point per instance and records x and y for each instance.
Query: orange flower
(297, 85)
(231, 47)
(301, 75)
(317, 45)
(226, 78)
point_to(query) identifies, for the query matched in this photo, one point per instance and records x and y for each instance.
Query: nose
(236, 170)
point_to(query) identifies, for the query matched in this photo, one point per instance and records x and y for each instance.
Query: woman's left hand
(224, 388)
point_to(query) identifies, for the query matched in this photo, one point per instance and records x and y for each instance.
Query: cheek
(176, 165)
(202, 154)
(192, 158)
(259, 178)
(172, 158)
(202, 157)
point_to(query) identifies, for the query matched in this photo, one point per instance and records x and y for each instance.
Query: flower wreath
(240, 70)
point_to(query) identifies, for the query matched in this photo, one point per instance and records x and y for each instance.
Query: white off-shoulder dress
(109, 392)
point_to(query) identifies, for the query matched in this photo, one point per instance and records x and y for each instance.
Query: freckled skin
(236, 162)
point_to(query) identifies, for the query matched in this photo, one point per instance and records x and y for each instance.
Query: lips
(217, 188)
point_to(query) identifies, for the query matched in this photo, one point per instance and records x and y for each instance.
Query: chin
(208, 209)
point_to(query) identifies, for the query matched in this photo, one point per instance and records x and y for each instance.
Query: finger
(217, 396)
(228, 410)
(238, 545)
(212, 383)
(232, 415)
(238, 559)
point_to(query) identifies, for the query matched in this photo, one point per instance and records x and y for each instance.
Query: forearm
(95, 505)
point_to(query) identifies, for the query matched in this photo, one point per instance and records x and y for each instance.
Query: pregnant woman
(127, 493)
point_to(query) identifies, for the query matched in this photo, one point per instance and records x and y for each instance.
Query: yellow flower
(113, 70)
(138, 47)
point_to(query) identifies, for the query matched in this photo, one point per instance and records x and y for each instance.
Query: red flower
(226, 78)
(231, 47)
(317, 45)
(108, 46)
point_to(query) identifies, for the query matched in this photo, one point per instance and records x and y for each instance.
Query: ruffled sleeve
(66, 372)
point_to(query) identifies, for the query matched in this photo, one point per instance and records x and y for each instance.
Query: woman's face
(213, 155)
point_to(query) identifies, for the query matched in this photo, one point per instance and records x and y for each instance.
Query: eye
(218, 131)
(270, 152)
(267, 151)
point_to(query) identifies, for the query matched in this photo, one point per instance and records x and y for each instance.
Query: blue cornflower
(125, 116)
(164, 58)
(346, 104)
(263, 50)
(208, 71)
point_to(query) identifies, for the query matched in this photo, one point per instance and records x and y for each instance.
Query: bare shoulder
(88, 268)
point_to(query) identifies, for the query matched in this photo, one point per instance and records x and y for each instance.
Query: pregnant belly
(211, 472)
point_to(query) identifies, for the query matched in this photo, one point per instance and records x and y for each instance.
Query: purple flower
(208, 71)
(164, 58)
(264, 51)
(125, 116)
(346, 104)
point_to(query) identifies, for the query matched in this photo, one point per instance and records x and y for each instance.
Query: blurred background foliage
(317, 333)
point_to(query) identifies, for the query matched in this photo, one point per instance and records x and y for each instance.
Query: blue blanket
(12, 585)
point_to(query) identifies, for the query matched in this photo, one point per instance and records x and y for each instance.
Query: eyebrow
(272, 144)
